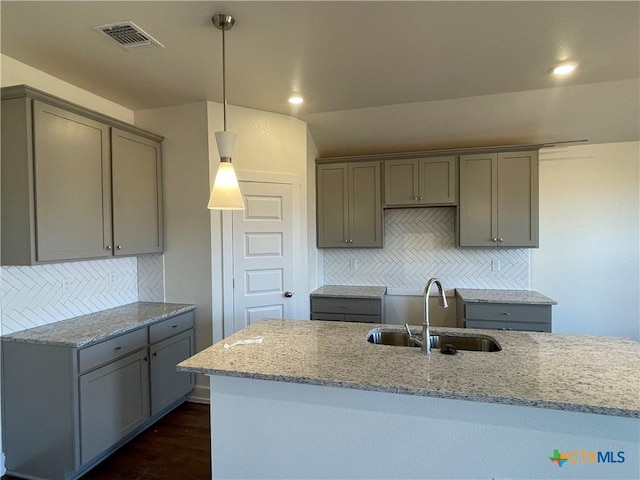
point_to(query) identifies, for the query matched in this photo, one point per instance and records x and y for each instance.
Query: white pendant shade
(225, 194)
(225, 141)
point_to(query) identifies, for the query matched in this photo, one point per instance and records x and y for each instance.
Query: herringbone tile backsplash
(33, 296)
(419, 243)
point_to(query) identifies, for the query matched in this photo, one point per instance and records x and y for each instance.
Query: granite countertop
(95, 327)
(504, 296)
(349, 291)
(563, 372)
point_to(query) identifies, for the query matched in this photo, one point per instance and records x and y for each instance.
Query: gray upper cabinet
(75, 184)
(70, 214)
(422, 181)
(498, 203)
(137, 194)
(349, 205)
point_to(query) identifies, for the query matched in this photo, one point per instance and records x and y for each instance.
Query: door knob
(288, 294)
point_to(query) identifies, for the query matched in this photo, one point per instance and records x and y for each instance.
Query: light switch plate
(495, 265)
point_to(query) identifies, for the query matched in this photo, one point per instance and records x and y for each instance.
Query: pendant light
(225, 194)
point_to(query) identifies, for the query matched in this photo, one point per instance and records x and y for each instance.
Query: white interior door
(263, 251)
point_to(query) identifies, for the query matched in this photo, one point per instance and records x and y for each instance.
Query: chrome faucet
(426, 342)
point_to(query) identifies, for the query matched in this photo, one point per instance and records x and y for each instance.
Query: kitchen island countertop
(563, 372)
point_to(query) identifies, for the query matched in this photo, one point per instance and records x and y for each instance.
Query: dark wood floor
(176, 447)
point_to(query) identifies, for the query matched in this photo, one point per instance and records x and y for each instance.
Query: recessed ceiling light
(564, 69)
(296, 100)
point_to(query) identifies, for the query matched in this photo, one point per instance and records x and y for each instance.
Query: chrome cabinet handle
(346, 240)
(500, 240)
(506, 313)
(494, 239)
(118, 247)
(108, 248)
(350, 241)
(420, 197)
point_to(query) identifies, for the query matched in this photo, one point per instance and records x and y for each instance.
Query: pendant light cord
(224, 89)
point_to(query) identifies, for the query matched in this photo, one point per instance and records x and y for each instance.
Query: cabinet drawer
(109, 350)
(358, 306)
(362, 318)
(508, 312)
(529, 326)
(328, 317)
(488, 324)
(171, 326)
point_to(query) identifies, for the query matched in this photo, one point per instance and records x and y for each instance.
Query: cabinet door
(477, 222)
(72, 185)
(332, 205)
(137, 187)
(365, 205)
(114, 401)
(517, 179)
(167, 384)
(437, 181)
(401, 182)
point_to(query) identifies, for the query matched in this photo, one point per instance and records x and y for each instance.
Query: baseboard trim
(200, 394)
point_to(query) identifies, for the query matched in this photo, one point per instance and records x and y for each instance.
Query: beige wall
(13, 72)
(589, 258)
(187, 238)
(265, 142)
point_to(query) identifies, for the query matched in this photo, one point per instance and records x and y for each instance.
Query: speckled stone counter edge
(521, 353)
(349, 291)
(96, 327)
(528, 297)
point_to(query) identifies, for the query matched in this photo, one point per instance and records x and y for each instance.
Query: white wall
(589, 259)
(316, 256)
(187, 238)
(13, 72)
(265, 142)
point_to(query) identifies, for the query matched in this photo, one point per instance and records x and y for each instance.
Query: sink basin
(474, 344)
(400, 338)
(384, 336)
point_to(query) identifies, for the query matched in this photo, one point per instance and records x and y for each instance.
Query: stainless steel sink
(474, 344)
(385, 336)
(400, 338)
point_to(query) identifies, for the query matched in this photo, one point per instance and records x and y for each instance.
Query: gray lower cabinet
(67, 408)
(114, 401)
(347, 309)
(75, 184)
(423, 181)
(349, 205)
(498, 204)
(501, 316)
(167, 383)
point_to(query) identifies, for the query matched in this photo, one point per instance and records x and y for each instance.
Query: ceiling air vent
(129, 35)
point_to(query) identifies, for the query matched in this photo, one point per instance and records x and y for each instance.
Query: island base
(277, 430)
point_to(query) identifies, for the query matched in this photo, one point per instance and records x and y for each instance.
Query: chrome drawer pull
(118, 348)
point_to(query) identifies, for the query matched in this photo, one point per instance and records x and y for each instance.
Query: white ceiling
(376, 76)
